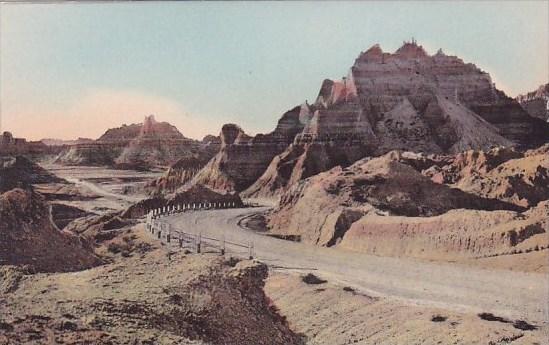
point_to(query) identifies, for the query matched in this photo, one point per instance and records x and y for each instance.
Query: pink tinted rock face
(139, 146)
(242, 159)
(407, 100)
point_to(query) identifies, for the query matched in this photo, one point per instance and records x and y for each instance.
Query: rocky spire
(411, 50)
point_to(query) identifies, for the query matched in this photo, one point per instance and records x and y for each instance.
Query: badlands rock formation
(536, 103)
(504, 174)
(452, 235)
(183, 171)
(407, 100)
(61, 142)
(320, 209)
(386, 206)
(145, 145)
(9, 145)
(30, 238)
(242, 159)
(19, 172)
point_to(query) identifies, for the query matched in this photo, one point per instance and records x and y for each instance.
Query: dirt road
(102, 192)
(515, 295)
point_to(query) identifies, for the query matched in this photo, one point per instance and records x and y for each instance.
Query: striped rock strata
(407, 100)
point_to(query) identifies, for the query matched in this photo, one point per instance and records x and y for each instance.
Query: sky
(72, 70)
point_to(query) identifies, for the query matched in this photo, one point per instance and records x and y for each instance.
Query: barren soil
(516, 295)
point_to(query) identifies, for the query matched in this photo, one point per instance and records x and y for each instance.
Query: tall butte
(406, 100)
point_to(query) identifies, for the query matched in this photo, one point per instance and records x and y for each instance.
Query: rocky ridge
(145, 298)
(242, 159)
(536, 103)
(521, 178)
(407, 100)
(10, 146)
(138, 146)
(393, 205)
(20, 172)
(29, 236)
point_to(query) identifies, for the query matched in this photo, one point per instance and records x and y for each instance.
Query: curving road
(515, 295)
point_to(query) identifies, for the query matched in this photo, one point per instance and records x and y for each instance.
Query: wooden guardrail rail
(197, 242)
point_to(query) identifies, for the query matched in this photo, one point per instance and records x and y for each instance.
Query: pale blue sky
(72, 70)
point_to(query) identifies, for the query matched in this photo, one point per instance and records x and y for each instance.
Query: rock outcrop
(20, 172)
(63, 214)
(191, 299)
(536, 103)
(503, 174)
(407, 100)
(29, 237)
(474, 204)
(183, 171)
(138, 146)
(320, 209)
(9, 145)
(452, 235)
(242, 159)
(177, 175)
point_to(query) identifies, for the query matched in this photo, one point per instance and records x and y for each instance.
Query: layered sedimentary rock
(190, 299)
(177, 175)
(61, 142)
(407, 100)
(183, 171)
(138, 146)
(28, 236)
(486, 204)
(504, 174)
(536, 103)
(95, 153)
(455, 234)
(242, 159)
(9, 145)
(319, 210)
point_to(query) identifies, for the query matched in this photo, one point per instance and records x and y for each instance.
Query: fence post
(251, 250)
(168, 232)
(223, 245)
(198, 242)
(159, 234)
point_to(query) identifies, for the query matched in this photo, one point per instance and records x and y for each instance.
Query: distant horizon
(89, 67)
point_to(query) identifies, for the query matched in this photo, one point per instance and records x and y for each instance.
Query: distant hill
(536, 103)
(138, 146)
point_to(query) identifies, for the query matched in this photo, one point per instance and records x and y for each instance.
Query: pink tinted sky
(72, 70)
